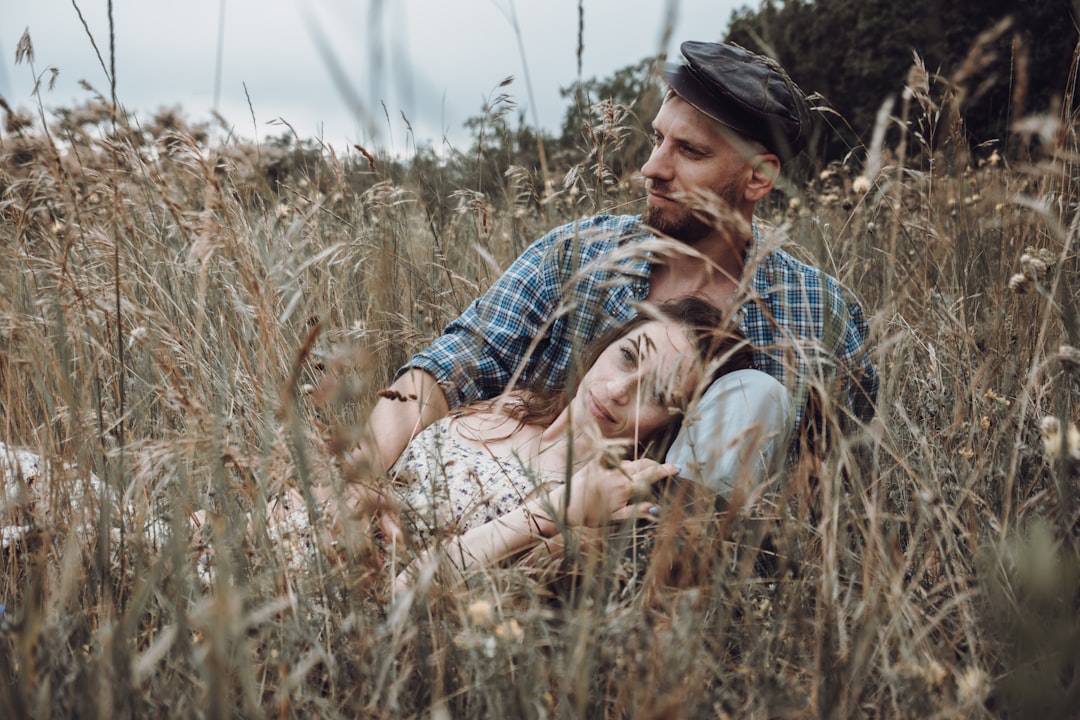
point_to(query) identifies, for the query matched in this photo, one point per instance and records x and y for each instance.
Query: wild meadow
(204, 323)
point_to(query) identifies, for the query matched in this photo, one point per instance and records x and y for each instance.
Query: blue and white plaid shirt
(581, 279)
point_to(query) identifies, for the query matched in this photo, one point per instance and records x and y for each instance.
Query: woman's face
(639, 382)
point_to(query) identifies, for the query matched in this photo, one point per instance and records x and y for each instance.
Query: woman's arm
(597, 496)
(503, 537)
(489, 543)
(413, 402)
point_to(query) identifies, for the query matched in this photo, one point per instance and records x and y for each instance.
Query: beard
(688, 223)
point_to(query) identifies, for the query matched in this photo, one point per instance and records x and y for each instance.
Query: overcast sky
(328, 67)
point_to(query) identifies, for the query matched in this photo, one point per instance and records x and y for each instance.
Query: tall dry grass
(200, 332)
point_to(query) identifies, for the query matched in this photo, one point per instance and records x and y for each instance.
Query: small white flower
(972, 685)
(1019, 283)
(1069, 355)
(480, 613)
(1051, 436)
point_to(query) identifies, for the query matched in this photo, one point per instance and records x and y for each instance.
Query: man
(718, 137)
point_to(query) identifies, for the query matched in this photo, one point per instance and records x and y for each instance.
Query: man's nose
(658, 166)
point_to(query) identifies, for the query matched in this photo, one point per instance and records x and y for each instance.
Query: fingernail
(655, 511)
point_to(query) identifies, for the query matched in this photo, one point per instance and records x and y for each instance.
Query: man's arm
(523, 328)
(497, 337)
(474, 356)
(413, 402)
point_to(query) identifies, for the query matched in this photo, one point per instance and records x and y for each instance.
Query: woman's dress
(28, 482)
(448, 486)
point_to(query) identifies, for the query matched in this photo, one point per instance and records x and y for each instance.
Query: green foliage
(857, 53)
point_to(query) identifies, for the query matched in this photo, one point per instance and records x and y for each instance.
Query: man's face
(690, 157)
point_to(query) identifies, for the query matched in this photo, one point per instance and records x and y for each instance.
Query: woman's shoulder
(481, 430)
(492, 420)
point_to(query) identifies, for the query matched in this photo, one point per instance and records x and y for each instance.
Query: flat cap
(749, 93)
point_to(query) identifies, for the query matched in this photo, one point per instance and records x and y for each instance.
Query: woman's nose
(621, 390)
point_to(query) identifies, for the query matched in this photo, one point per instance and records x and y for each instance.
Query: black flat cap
(749, 93)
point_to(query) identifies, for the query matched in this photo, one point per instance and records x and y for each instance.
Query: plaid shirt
(581, 279)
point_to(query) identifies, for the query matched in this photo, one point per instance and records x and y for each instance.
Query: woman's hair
(721, 348)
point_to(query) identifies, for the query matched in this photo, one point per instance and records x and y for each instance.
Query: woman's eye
(628, 356)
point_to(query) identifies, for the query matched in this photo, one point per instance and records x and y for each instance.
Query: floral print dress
(449, 486)
(26, 480)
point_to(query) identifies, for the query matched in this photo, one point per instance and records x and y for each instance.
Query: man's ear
(764, 169)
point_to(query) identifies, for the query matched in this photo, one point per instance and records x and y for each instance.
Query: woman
(492, 479)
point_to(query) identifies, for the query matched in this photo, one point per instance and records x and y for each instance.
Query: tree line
(995, 60)
(976, 66)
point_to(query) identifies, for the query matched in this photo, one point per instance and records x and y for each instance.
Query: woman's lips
(599, 411)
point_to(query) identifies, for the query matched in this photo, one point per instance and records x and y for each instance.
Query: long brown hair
(717, 338)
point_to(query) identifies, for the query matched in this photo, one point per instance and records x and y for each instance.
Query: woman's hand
(599, 495)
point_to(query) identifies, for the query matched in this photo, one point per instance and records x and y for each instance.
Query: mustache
(657, 187)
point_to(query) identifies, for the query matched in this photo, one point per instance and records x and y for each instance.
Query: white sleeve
(735, 433)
